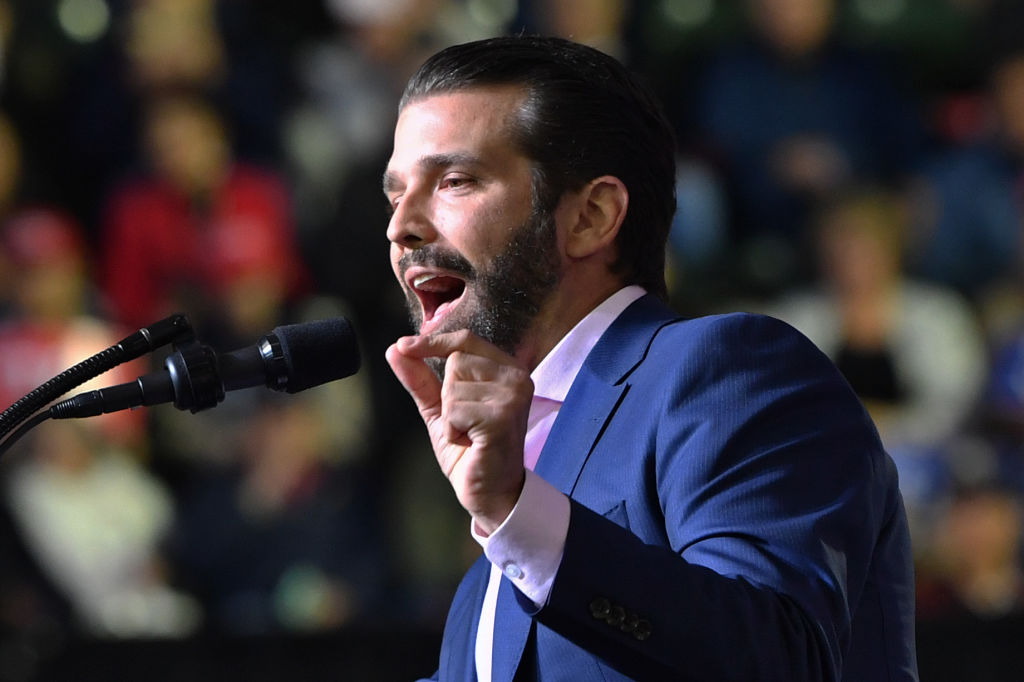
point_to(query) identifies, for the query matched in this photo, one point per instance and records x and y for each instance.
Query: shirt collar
(553, 377)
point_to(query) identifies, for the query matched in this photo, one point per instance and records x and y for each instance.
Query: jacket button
(642, 630)
(617, 615)
(630, 622)
(600, 607)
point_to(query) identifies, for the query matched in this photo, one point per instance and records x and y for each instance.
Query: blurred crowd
(855, 168)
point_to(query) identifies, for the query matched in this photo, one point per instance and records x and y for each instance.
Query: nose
(410, 226)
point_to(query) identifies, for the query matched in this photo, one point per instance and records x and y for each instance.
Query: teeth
(422, 279)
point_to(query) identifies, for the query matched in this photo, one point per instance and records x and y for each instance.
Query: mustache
(435, 257)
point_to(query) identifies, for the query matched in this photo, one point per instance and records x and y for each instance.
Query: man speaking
(657, 498)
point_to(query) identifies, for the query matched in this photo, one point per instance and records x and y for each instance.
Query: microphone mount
(195, 377)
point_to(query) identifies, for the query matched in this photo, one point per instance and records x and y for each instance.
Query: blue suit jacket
(734, 517)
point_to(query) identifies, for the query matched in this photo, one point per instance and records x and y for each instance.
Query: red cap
(37, 236)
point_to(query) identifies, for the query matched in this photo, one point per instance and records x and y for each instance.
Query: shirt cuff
(529, 544)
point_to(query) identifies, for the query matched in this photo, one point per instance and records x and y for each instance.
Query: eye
(391, 203)
(455, 181)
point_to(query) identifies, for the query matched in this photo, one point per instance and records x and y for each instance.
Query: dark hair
(585, 115)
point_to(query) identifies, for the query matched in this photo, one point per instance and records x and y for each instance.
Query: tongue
(438, 294)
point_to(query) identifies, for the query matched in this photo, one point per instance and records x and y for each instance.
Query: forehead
(476, 121)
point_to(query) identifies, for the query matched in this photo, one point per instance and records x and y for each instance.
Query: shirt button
(513, 571)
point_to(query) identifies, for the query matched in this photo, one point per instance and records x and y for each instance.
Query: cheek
(482, 233)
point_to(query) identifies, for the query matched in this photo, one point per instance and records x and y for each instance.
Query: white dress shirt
(527, 547)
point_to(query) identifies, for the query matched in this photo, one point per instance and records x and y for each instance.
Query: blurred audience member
(791, 116)
(198, 221)
(78, 495)
(970, 199)
(174, 43)
(912, 350)
(214, 47)
(96, 522)
(155, 46)
(977, 565)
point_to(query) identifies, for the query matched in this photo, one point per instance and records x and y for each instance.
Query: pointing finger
(443, 345)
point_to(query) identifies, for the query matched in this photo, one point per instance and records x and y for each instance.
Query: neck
(564, 309)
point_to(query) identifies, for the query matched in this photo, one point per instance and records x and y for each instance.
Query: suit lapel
(458, 646)
(577, 429)
(597, 391)
(512, 628)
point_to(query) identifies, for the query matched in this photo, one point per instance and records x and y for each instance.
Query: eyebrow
(432, 162)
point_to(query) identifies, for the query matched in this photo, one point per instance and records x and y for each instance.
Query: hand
(476, 419)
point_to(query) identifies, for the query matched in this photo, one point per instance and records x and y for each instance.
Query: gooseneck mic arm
(173, 329)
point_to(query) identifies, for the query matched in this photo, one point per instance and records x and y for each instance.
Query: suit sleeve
(771, 489)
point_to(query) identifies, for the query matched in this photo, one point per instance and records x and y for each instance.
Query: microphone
(291, 358)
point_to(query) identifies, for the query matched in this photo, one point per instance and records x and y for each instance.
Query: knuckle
(519, 377)
(452, 364)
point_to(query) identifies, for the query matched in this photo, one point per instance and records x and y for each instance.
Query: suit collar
(553, 377)
(623, 347)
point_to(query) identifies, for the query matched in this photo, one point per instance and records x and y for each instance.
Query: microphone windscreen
(318, 352)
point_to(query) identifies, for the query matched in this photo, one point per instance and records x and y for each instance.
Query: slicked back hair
(584, 115)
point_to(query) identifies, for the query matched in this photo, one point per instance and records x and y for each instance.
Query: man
(657, 498)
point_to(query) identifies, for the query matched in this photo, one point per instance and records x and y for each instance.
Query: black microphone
(291, 358)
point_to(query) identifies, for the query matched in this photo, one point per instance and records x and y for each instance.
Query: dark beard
(509, 291)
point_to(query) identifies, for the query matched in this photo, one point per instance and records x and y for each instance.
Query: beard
(502, 297)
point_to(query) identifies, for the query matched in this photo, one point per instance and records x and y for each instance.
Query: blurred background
(855, 167)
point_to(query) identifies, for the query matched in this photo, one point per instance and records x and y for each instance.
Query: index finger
(444, 344)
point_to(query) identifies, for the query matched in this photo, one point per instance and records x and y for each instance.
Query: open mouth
(438, 293)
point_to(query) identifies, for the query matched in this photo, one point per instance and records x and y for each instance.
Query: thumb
(418, 379)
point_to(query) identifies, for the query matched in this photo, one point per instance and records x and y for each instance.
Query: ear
(597, 214)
